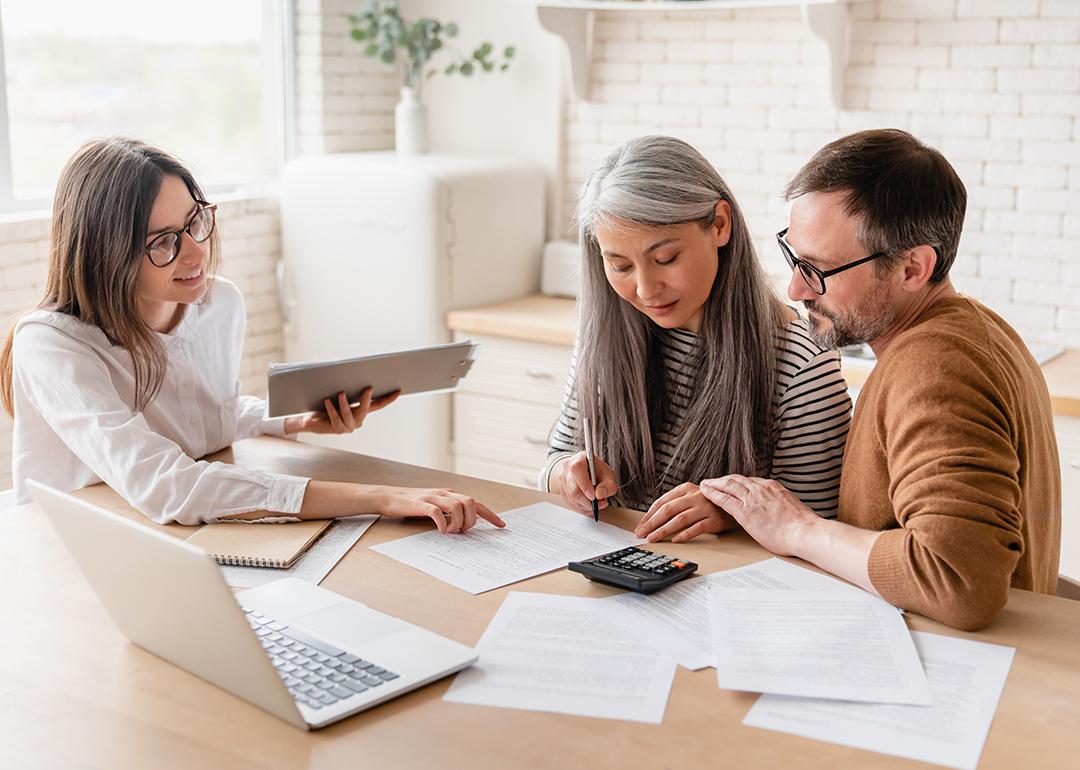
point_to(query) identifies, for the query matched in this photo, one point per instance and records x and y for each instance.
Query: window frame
(278, 92)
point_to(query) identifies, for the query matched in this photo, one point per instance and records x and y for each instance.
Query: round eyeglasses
(165, 248)
(814, 277)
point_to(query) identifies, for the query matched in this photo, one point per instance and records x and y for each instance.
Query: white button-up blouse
(76, 422)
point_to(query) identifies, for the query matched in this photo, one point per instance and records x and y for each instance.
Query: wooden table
(75, 693)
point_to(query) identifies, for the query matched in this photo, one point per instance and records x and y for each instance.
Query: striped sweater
(811, 414)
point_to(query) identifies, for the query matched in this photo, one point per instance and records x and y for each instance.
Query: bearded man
(950, 491)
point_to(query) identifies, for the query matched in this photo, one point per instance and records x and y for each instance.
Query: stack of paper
(676, 619)
(966, 679)
(864, 679)
(847, 645)
(556, 653)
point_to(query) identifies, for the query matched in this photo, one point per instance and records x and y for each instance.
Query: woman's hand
(571, 478)
(340, 419)
(682, 514)
(451, 511)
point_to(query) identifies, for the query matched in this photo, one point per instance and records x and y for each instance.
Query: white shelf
(573, 22)
(673, 6)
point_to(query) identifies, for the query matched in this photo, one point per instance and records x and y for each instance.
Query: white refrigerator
(376, 248)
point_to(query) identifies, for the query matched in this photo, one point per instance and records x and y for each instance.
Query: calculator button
(678, 564)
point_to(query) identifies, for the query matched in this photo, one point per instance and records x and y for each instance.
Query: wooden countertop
(536, 318)
(553, 320)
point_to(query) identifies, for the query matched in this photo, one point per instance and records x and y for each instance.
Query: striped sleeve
(813, 411)
(565, 440)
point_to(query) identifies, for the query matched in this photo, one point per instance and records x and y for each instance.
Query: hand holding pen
(580, 488)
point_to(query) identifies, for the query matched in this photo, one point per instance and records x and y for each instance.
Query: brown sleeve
(954, 485)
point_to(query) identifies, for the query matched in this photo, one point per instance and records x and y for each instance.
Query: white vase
(410, 124)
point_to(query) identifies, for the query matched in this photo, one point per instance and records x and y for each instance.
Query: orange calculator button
(678, 564)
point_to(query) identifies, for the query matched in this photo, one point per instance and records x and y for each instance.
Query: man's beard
(863, 323)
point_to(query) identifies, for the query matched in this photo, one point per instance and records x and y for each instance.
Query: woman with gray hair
(687, 364)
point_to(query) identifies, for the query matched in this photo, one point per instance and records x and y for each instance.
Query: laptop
(300, 652)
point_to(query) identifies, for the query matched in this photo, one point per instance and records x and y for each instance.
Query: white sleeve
(811, 430)
(251, 419)
(71, 388)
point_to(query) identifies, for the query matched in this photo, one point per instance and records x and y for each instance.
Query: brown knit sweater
(952, 453)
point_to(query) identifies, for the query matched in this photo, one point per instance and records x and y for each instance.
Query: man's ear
(918, 266)
(722, 225)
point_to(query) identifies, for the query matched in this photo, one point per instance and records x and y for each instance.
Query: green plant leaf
(381, 25)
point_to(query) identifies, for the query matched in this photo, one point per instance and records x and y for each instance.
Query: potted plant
(409, 47)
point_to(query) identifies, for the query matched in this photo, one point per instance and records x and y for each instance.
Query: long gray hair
(659, 181)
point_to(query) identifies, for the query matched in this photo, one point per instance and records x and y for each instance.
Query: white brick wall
(994, 84)
(250, 248)
(344, 100)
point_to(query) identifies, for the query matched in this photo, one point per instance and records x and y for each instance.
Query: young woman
(128, 369)
(687, 364)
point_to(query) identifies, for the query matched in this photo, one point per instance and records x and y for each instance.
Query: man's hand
(769, 513)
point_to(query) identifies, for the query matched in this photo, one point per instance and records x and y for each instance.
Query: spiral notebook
(258, 545)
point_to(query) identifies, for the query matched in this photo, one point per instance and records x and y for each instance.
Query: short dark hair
(905, 193)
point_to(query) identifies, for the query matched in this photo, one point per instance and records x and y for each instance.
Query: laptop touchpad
(350, 624)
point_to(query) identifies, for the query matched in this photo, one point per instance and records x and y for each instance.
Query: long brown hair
(100, 221)
(656, 181)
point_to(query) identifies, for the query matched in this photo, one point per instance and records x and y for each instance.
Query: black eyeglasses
(814, 277)
(164, 249)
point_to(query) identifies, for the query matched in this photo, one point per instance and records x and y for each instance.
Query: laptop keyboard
(317, 674)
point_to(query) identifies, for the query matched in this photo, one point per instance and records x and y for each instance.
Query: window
(203, 79)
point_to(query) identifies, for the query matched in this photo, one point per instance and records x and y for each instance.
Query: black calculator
(635, 569)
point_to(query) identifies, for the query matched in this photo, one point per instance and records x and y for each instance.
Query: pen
(592, 467)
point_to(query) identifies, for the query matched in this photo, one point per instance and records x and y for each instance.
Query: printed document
(537, 539)
(967, 679)
(846, 645)
(555, 653)
(676, 620)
